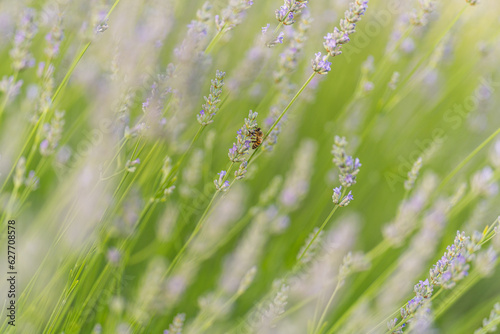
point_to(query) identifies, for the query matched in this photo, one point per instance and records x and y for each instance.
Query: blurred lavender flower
(287, 63)
(232, 15)
(265, 29)
(398, 31)
(413, 174)
(197, 29)
(423, 320)
(137, 130)
(276, 40)
(352, 263)
(405, 221)
(408, 45)
(32, 181)
(166, 189)
(486, 261)
(113, 256)
(490, 324)
(26, 30)
(242, 170)
(247, 280)
(275, 308)
(483, 182)
(413, 261)
(191, 175)
(248, 251)
(20, 170)
(324, 259)
(220, 184)
(54, 38)
(131, 165)
(349, 167)
(297, 180)
(176, 325)
(210, 108)
(420, 17)
(311, 246)
(9, 87)
(102, 26)
(393, 328)
(53, 134)
(393, 84)
(46, 73)
(494, 155)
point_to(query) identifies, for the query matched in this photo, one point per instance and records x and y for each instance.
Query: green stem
(6, 97)
(214, 41)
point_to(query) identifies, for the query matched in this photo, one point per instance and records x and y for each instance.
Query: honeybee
(257, 137)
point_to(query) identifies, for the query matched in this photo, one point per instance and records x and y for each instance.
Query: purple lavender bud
(346, 200)
(337, 192)
(113, 256)
(347, 180)
(277, 40)
(220, 184)
(131, 165)
(233, 153)
(44, 146)
(32, 180)
(240, 173)
(280, 37)
(357, 164)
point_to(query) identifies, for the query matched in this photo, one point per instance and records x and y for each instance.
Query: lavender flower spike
(337, 193)
(334, 40)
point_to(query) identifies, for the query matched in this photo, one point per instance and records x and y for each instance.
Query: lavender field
(239, 166)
